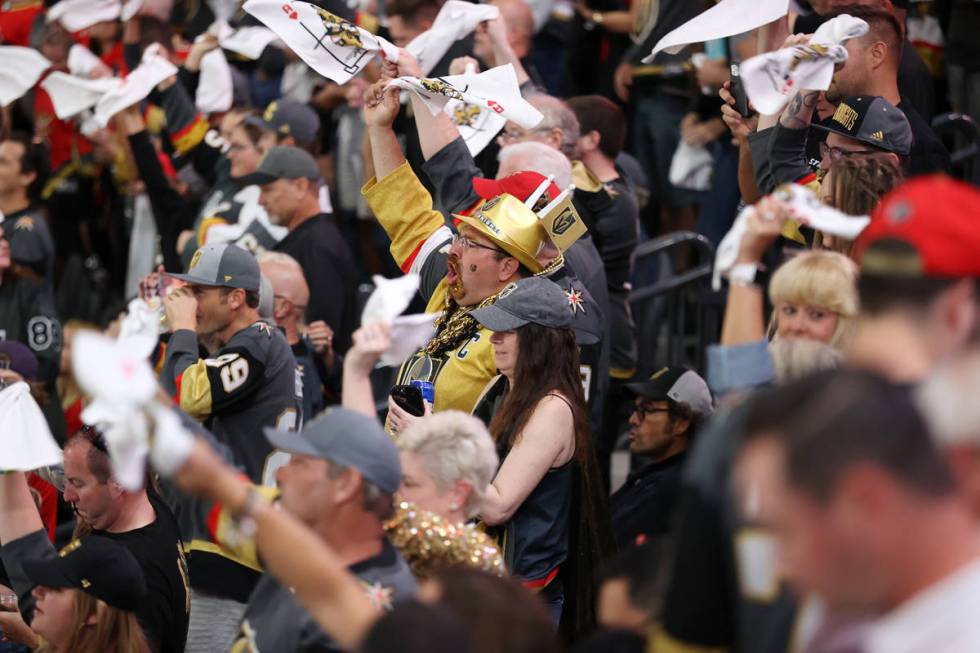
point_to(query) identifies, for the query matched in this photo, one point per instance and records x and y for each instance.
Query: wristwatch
(743, 274)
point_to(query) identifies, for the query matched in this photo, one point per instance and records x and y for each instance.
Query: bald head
(288, 282)
(520, 24)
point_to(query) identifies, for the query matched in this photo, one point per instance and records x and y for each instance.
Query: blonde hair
(855, 185)
(453, 446)
(819, 278)
(115, 631)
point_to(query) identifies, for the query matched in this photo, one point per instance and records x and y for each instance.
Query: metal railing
(966, 135)
(678, 315)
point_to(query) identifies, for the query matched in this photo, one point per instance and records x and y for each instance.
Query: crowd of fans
(526, 477)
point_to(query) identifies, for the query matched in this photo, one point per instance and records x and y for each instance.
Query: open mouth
(453, 278)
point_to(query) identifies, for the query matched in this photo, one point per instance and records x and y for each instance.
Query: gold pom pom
(427, 542)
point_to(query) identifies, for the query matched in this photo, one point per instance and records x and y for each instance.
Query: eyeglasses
(296, 307)
(506, 137)
(466, 243)
(642, 411)
(836, 154)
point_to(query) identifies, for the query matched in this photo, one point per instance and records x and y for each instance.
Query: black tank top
(535, 540)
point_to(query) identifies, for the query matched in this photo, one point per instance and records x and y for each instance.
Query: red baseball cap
(935, 223)
(519, 184)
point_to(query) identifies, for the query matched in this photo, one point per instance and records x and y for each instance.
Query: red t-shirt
(49, 502)
(16, 23)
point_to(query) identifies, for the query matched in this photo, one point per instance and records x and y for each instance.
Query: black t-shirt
(165, 611)
(329, 269)
(962, 44)
(928, 153)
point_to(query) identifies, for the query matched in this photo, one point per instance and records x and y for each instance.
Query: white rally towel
(408, 334)
(153, 69)
(129, 9)
(386, 303)
(118, 377)
(76, 15)
(809, 211)
(25, 438)
(328, 44)
(476, 126)
(215, 89)
(390, 298)
(495, 89)
(246, 41)
(21, 69)
(772, 78)
(455, 20)
(727, 18)
(691, 167)
(83, 63)
(71, 95)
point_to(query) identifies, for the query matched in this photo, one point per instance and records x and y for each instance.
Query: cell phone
(738, 92)
(409, 399)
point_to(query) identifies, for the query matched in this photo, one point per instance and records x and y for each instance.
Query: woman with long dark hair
(547, 481)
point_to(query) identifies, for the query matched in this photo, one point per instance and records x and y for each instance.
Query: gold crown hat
(512, 226)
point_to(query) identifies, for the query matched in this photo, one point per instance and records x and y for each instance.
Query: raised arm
(18, 512)
(381, 107)
(401, 203)
(503, 54)
(289, 550)
(168, 206)
(744, 320)
(369, 342)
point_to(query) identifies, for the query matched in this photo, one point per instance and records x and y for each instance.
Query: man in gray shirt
(340, 482)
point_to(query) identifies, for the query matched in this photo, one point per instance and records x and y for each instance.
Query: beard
(456, 286)
(834, 94)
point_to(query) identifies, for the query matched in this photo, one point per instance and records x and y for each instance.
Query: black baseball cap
(289, 118)
(534, 299)
(678, 384)
(347, 438)
(228, 266)
(96, 565)
(873, 120)
(283, 162)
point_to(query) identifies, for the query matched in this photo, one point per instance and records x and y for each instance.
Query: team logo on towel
(440, 87)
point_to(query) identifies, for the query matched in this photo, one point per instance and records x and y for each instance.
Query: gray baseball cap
(534, 299)
(283, 162)
(347, 438)
(873, 120)
(289, 118)
(678, 384)
(228, 266)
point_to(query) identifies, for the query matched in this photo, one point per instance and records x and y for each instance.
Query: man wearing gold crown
(495, 245)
